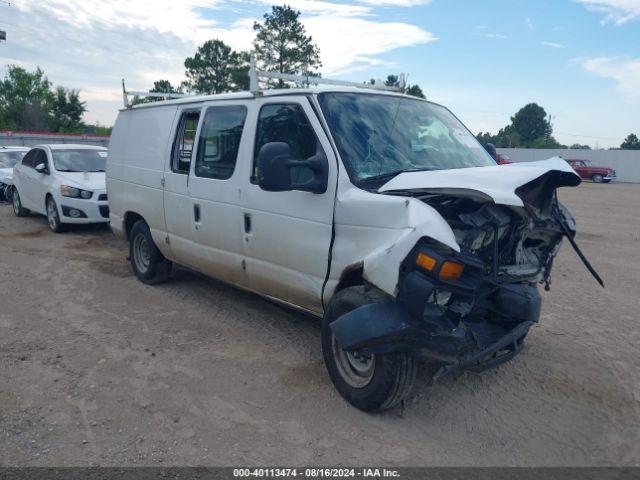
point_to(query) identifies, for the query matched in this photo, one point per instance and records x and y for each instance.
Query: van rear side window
(184, 141)
(219, 141)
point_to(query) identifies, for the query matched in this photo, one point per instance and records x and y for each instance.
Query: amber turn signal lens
(451, 271)
(425, 261)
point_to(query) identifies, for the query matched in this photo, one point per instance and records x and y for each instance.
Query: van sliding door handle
(247, 223)
(196, 213)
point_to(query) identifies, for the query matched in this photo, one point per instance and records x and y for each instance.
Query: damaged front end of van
(464, 295)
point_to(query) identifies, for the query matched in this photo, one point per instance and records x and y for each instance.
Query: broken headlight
(439, 297)
(447, 270)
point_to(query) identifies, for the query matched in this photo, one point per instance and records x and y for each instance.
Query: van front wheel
(368, 382)
(149, 265)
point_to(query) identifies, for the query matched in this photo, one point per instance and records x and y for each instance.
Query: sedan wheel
(597, 178)
(18, 209)
(52, 216)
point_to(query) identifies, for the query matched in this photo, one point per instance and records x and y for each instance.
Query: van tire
(392, 375)
(18, 209)
(149, 265)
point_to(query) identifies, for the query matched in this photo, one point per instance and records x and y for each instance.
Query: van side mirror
(278, 172)
(41, 168)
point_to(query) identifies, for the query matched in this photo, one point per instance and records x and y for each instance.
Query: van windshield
(80, 160)
(379, 136)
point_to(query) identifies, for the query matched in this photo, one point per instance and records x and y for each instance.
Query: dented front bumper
(500, 230)
(387, 328)
(482, 324)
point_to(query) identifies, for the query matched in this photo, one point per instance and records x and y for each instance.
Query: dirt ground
(98, 369)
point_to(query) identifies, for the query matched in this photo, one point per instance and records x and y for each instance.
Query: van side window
(183, 143)
(286, 122)
(219, 141)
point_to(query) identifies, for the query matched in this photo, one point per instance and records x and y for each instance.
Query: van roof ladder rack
(166, 96)
(255, 75)
(254, 84)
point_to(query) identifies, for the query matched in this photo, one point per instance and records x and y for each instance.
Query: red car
(585, 169)
(503, 159)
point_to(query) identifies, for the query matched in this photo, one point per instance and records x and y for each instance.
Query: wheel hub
(356, 368)
(141, 254)
(360, 362)
(52, 215)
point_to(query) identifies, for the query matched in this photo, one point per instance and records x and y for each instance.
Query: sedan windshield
(379, 136)
(80, 160)
(9, 159)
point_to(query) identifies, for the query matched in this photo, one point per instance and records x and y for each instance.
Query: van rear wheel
(368, 382)
(149, 265)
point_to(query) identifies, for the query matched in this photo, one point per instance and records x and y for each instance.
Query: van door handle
(196, 213)
(247, 223)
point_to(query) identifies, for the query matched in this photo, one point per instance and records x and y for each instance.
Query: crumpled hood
(499, 183)
(85, 180)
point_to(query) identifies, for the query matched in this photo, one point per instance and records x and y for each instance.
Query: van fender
(376, 232)
(382, 266)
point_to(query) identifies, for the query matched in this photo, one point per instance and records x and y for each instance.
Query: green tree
(164, 86)
(531, 123)
(546, 142)
(97, 129)
(282, 44)
(67, 110)
(394, 81)
(415, 91)
(217, 68)
(486, 137)
(159, 86)
(529, 128)
(631, 142)
(578, 146)
(508, 137)
(25, 100)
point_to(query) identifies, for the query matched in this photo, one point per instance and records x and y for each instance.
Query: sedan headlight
(73, 192)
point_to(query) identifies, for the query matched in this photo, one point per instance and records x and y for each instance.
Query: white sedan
(9, 156)
(64, 182)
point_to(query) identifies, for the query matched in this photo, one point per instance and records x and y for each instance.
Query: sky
(484, 59)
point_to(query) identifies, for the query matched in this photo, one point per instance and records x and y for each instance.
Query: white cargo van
(377, 212)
